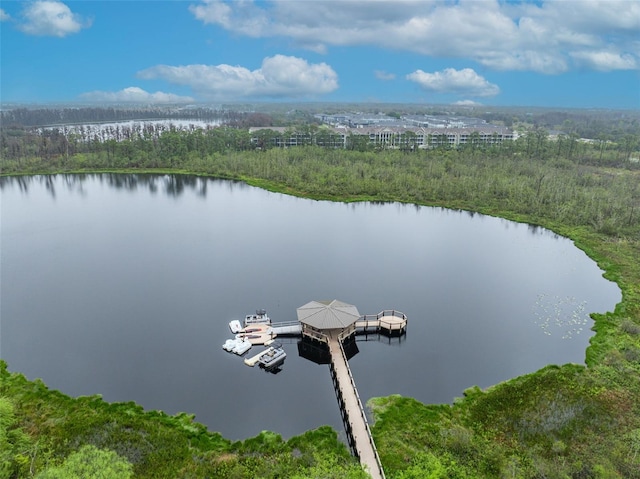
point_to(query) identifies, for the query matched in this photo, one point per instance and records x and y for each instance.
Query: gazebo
(321, 319)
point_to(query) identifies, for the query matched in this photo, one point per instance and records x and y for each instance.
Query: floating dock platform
(252, 361)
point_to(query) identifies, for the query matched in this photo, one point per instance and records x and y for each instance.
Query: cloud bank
(467, 103)
(50, 18)
(279, 77)
(464, 82)
(134, 95)
(550, 36)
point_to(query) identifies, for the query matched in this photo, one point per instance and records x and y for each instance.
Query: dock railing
(378, 321)
(382, 314)
(282, 324)
(287, 328)
(363, 415)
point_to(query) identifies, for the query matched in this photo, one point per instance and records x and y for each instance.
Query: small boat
(242, 346)
(239, 345)
(259, 318)
(273, 357)
(235, 326)
(230, 344)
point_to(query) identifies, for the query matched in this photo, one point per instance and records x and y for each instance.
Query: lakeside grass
(562, 421)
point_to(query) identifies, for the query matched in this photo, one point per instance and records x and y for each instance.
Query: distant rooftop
(359, 120)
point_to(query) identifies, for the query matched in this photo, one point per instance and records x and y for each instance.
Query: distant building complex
(409, 132)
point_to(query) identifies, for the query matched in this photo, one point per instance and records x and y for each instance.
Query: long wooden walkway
(353, 414)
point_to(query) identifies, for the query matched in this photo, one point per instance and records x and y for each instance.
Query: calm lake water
(124, 285)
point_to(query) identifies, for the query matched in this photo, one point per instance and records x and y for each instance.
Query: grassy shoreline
(561, 421)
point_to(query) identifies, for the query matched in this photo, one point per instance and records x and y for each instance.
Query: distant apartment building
(385, 136)
(434, 137)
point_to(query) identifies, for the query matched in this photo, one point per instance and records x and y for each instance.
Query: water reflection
(314, 352)
(170, 185)
(318, 353)
(178, 185)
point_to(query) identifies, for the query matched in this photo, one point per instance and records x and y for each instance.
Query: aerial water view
(320, 239)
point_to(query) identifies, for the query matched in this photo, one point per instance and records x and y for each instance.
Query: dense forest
(564, 421)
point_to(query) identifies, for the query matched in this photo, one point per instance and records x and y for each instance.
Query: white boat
(259, 318)
(230, 344)
(239, 345)
(235, 326)
(242, 346)
(273, 357)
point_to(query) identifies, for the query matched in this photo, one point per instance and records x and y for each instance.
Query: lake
(124, 285)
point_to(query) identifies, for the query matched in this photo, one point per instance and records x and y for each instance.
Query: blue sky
(558, 53)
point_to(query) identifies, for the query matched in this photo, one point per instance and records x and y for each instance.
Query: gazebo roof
(328, 314)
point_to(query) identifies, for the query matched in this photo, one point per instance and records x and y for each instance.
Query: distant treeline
(611, 125)
(24, 117)
(166, 145)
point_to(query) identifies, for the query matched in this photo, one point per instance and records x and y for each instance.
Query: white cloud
(51, 18)
(279, 77)
(592, 18)
(382, 75)
(467, 103)
(461, 82)
(135, 95)
(606, 60)
(243, 17)
(542, 61)
(550, 36)
(4, 16)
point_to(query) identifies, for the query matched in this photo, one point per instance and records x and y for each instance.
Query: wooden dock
(258, 334)
(353, 415)
(389, 321)
(252, 361)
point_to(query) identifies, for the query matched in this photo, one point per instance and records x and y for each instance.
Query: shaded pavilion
(322, 320)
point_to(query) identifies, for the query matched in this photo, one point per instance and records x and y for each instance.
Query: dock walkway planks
(358, 427)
